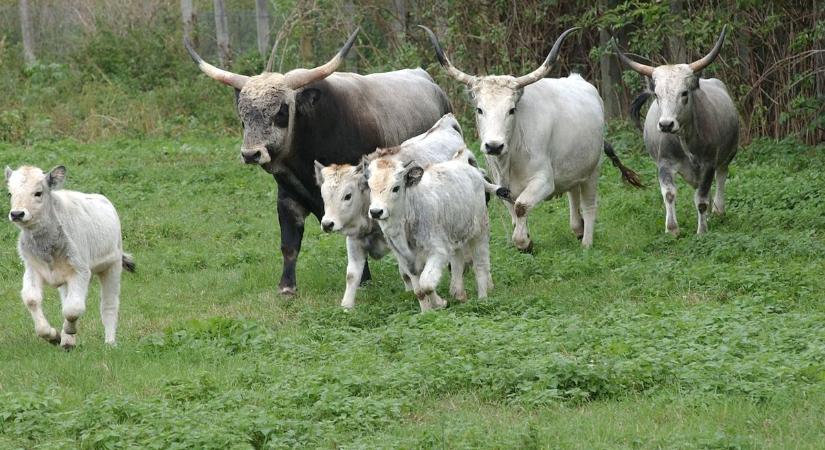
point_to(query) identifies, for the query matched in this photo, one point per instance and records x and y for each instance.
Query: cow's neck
(44, 239)
(690, 138)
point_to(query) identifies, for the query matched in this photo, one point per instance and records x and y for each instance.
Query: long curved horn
(697, 66)
(540, 73)
(299, 78)
(442, 58)
(643, 69)
(235, 80)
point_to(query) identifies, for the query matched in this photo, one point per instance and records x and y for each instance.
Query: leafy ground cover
(644, 341)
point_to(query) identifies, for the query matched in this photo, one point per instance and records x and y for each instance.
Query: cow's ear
(8, 173)
(56, 177)
(306, 99)
(694, 82)
(413, 175)
(319, 174)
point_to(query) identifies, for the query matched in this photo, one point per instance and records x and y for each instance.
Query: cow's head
(269, 102)
(673, 86)
(346, 194)
(388, 181)
(496, 97)
(30, 192)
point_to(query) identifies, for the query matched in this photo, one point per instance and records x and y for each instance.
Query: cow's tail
(128, 263)
(636, 107)
(500, 191)
(628, 175)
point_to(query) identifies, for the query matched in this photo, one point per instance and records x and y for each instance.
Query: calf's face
(30, 192)
(344, 191)
(388, 182)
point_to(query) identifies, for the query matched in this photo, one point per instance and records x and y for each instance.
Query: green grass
(644, 341)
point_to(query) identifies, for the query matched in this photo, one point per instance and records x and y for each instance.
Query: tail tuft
(629, 176)
(128, 263)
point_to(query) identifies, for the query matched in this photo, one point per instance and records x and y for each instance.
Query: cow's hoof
(288, 291)
(347, 306)
(528, 248)
(673, 231)
(67, 341)
(460, 296)
(438, 302)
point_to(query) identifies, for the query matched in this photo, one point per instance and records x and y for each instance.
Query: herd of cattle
(380, 159)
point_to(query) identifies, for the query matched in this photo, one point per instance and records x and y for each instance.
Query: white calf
(66, 237)
(346, 196)
(431, 217)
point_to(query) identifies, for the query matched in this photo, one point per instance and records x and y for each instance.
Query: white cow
(431, 217)
(542, 137)
(65, 237)
(346, 195)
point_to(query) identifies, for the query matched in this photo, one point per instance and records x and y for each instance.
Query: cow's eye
(479, 111)
(395, 189)
(347, 197)
(512, 111)
(38, 193)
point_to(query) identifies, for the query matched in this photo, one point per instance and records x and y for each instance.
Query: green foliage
(644, 341)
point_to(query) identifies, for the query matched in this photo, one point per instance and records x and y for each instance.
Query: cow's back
(563, 118)
(400, 104)
(91, 222)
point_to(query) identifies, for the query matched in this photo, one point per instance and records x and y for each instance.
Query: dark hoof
(528, 249)
(504, 194)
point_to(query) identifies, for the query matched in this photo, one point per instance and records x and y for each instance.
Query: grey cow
(692, 128)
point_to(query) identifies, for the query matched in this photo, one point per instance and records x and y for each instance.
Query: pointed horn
(442, 59)
(637, 67)
(232, 79)
(544, 69)
(299, 78)
(697, 66)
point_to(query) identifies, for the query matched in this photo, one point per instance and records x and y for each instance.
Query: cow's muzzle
(257, 155)
(17, 216)
(377, 213)
(493, 148)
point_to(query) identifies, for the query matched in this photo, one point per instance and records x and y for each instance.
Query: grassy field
(644, 341)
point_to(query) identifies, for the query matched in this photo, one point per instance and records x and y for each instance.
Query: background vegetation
(644, 341)
(117, 68)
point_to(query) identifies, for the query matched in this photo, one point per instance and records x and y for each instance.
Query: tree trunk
(611, 73)
(819, 67)
(349, 21)
(676, 41)
(262, 17)
(222, 34)
(399, 20)
(187, 12)
(28, 39)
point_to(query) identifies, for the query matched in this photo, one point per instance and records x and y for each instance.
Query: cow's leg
(537, 190)
(701, 198)
(356, 257)
(668, 188)
(457, 276)
(576, 221)
(423, 300)
(110, 301)
(291, 216)
(481, 263)
(406, 278)
(428, 281)
(32, 295)
(365, 274)
(719, 196)
(589, 205)
(74, 306)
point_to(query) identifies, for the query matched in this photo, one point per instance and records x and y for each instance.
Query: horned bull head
(674, 85)
(496, 97)
(267, 103)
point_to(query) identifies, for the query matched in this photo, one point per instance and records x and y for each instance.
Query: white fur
(66, 236)
(433, 221)
(552, 133)
(346, 197)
